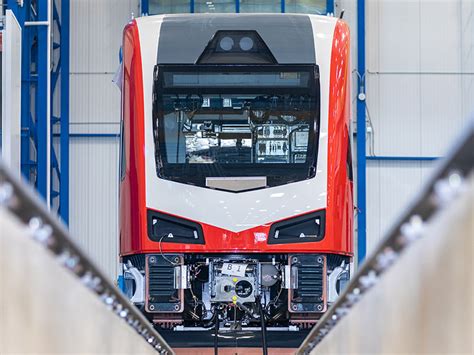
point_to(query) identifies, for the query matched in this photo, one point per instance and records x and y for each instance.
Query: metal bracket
(286, 277)
(181, 277)
(332, 281)
(139, 295)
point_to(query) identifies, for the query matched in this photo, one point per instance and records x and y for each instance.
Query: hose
(216, 333)
(264, 328)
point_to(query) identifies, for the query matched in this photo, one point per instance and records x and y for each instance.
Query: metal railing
(20, 200)
(445, 184)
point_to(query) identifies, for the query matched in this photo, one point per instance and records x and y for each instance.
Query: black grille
(161, 294)
(309, 294)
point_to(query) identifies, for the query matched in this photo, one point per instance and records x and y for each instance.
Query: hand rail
(20, 200)
(445, 184)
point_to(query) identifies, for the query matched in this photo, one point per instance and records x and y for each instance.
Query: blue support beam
(64, 118)
(38, 155)
(329, 6)
(401, 158)
(42, 104)
(361, 135)
(91, 135)
(145, 7)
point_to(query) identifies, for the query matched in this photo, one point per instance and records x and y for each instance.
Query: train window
(265, 6)
(306, 6)
(237, 123)
(168, 7)
(230, 6)
(222, 6)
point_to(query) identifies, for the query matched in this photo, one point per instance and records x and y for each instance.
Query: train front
(236, 192)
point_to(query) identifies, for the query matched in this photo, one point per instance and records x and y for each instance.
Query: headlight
(302, 229)
(170, 229)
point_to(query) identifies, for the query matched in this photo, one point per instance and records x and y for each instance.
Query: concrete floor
(233, 351)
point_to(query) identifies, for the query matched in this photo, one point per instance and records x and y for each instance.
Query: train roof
(290, 37)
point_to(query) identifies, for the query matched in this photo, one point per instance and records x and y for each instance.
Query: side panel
(339, 222)
(132, 187)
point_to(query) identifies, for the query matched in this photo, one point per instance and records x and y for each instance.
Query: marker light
(236, 47)
(226, 43)
(246, 43)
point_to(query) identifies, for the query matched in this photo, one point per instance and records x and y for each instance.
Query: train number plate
(234, 269)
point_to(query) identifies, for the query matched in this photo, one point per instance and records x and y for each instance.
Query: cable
(216, 333)
(211, 321)
(369, 118)
(163, 255)
(372, 133)
(264, 328)
(273, 302)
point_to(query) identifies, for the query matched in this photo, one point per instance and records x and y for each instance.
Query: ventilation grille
(161, 293)
(310, 294)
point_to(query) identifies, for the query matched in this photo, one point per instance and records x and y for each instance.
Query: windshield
(213, 123)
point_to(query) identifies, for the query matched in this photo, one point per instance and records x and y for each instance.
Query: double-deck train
(236, 207)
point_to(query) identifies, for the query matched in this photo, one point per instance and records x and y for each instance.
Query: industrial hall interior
(236, 177)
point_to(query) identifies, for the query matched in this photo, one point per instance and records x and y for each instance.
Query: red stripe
(339, 224)
(132, 191)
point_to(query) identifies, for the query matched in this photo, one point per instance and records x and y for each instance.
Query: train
(236, 186)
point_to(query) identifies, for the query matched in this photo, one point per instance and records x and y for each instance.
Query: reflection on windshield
(236, 122)
(236, 129)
